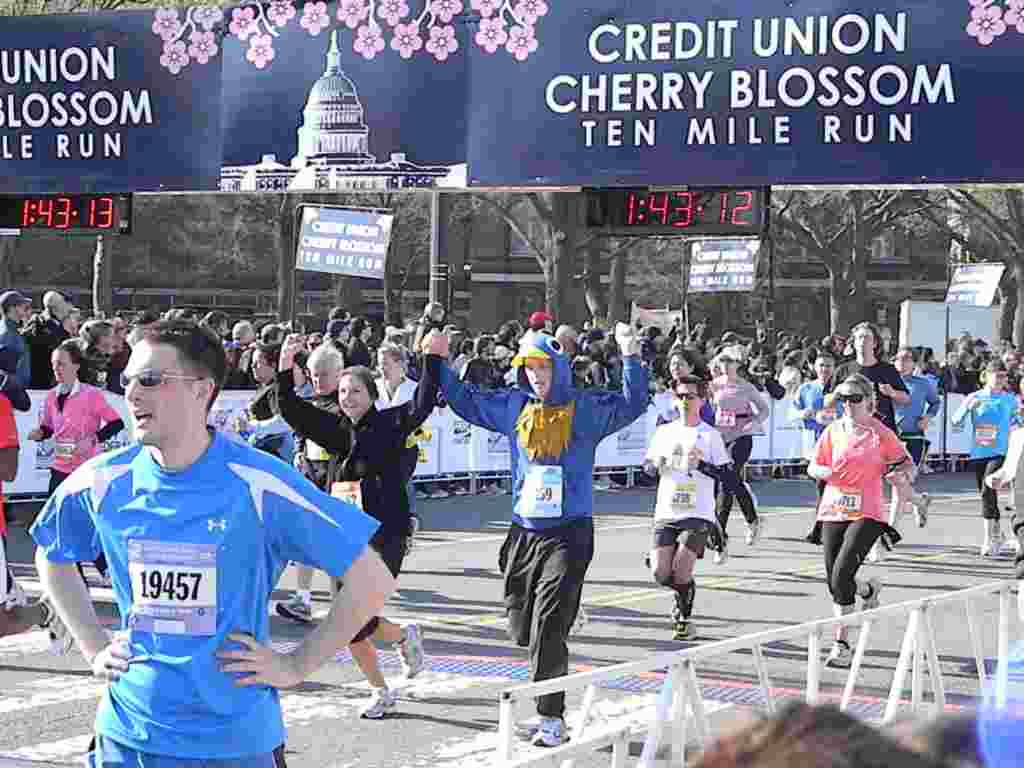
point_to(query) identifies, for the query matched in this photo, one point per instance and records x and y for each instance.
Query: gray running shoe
(410, 650)
(61, 641)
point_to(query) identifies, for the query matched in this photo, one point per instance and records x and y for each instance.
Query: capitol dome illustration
(333, 129)
(333, 152)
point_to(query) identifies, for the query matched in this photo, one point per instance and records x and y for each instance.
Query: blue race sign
(344, 241)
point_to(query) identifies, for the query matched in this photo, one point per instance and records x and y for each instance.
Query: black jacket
(371, 451)
(43, 334)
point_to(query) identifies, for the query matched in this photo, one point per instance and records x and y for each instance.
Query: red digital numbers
(715, 210)
(44, 208)
(632, 204)
(101, 213)
(657, 202)
(62, 213)
(683, 212)
(739, 216)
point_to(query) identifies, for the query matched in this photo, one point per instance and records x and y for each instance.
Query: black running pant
(56, 478)
(740, 450)
(544, 573)
(846, 546)
(989, 498)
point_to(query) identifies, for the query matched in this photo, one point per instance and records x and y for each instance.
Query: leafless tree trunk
(617, 290)
(102, 288)
(7, 248)
(285, 236)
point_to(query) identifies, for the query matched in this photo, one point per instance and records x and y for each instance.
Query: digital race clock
(71, 214)
(717, 211)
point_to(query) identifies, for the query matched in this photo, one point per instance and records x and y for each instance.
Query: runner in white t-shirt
(689, 456)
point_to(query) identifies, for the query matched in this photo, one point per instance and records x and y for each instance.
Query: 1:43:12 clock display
(691, 211)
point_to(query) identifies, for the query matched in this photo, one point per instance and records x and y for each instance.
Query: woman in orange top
(852, 456)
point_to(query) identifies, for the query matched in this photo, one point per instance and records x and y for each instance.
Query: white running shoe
(994, 539)
(61, 641)
(15, 597)
(551, 733)
(527, 729)
(921, 510)
(410, 650)
(722, 555)
(872, 601)
(875, 554)
(754, 532)
(382, 702)
(840, 656)
(581, 620)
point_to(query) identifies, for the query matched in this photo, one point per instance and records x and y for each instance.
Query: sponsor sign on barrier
(452, 446)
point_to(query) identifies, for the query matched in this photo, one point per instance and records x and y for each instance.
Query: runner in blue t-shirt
(197, 530)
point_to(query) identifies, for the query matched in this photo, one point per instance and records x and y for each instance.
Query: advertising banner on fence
(377, 95)
(343, 241)
(974, 284)
(717, 266)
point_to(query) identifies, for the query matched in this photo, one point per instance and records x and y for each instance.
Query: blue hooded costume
(560, 434)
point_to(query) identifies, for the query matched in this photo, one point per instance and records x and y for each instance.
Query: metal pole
(440, 274)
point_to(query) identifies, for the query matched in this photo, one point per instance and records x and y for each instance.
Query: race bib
(174, 587)
(845, 502)
(724, 418)
(542, 492)
(64, 450)
(985, 435)
(684, 496)
(316, 452)
(350, 491)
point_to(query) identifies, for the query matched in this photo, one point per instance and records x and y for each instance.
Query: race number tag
(684, 496)
(65, 450)
(316, 452)
(350, 491)
(846, 502)
(724, 418)
(174, 587)
(985, 435)
(542, 492)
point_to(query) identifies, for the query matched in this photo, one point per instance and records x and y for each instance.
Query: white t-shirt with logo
(683, 491)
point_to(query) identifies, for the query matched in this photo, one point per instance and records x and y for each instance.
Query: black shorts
(692, 533)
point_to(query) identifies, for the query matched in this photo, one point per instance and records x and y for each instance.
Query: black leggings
(56, 478)
(989, 498)
(740, 450)
(846, 546)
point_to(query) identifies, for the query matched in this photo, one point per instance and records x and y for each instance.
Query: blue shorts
(109, 754)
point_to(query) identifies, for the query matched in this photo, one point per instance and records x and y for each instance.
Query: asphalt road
(447, 716)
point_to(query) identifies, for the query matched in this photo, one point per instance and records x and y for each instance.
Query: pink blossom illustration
(203, 46)
(208, 16)
(530, 10)
(486, 8)
(393, 11)
(261, 50)
(314, 18)
(492, 35)
(1015, 15)
(280, 12)
(986, 24)
(352, 12)
(976, 3)
(446, 10)
(174, 57)
(406, 40)
(243, 23)
(369, 41)
(165, 24)
(521, 42)
(442, 42)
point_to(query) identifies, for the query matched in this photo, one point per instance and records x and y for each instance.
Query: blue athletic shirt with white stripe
(244, 509)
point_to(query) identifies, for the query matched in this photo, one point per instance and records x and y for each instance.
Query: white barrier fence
(454, 448)
(680, 704)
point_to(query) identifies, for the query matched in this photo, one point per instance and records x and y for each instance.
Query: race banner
(343, 241)
(382, 95)
(975, 284)
(719, 266)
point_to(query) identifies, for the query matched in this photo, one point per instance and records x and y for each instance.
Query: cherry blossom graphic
(492, 35)
(393, 11)
(243, 23)
(521, 42)
(990, 19)
(442, 42)
(315, 18)
(406, 40)
(446, 10)
(174, 57)
(1015, 15)
(531, 10)
(486, 8)
(352, 12)
(193, 38)
(281, 12)
(202, 46)
(369, 41)
(261, 51)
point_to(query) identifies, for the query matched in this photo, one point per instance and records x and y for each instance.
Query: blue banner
(379, 95)
(718, 266)
(344, 241)
(109, 102)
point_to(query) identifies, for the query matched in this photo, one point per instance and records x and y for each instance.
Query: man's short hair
(199, 349)
(325, 357)
(693, 381)
(242, 328)
(393, 351)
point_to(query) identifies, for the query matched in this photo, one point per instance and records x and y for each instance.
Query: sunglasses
(686, 396)
(153, 379)
(851, 399)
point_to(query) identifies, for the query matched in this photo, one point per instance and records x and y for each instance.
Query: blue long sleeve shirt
(924, 399)
(11, 339)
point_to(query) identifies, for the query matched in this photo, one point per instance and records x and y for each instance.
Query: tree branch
(992, 222)
(540, 207)
(509, 218)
